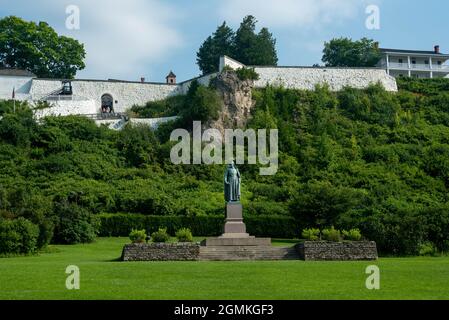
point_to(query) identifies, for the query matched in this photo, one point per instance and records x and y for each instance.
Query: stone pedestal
(234, 233)
(234, 226)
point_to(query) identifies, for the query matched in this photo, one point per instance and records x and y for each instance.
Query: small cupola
(171, 78)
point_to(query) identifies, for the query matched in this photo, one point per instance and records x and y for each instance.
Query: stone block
(337, 251)
(161, 252)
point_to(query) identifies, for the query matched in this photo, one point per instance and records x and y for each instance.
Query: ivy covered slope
(364, 159)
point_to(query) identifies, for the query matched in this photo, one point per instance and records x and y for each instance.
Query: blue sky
(135, 38)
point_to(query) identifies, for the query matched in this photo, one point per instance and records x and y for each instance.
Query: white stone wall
(124, 94)
(66, 108)
(22, 87)
(118, 124)
(336, 78)
(204, 80)
(229, 62)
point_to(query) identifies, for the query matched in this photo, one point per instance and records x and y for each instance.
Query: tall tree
(220, 43)
(246, 40)
(265, 51)
(39, 49)
(344, 52)
(244, 45)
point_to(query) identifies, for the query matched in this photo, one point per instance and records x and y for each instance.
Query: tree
(37, 47)
(219, 44)
(244, 45)
(345, 52)
(252, 48)
(265, 52)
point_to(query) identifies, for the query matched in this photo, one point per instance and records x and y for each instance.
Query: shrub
(311, 234)
(427, 249)
(137, 236)
(121, 224)
(247, 74)
(184, 235)
(352, 235)
(160, 236)
(75, 224)
(18, 236)
(331, 235)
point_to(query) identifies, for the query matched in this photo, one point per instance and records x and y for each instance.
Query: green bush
(121, 224)
(18, 236)
(311, 234)
(184, 235)
(160, 236)
(331, 235)
(352, 235)
(247, 74)
(427, 249)
(137, 236)
(75, 224)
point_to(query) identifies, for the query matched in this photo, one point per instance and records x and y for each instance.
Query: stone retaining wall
(161, 252)
(337, 251)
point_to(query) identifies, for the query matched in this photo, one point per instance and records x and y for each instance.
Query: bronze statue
(232, 183)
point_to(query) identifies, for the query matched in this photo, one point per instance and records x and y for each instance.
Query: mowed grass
(104, 277)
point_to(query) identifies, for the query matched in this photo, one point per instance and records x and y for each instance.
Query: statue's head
(232, 164)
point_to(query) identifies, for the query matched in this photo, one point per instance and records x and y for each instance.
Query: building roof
(16, 73)
(171, 75)
(418, 52)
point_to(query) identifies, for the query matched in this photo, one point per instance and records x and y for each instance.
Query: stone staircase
(238, 253)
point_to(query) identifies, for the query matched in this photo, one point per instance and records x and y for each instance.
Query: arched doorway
(107, 103)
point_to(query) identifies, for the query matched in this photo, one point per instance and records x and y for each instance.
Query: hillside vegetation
(369, 159)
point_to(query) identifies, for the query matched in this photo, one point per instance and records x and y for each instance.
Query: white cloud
(292, 13)
(121, 38)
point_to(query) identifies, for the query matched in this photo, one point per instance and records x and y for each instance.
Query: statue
(232, 183)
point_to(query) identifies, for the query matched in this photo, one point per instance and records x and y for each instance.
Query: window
(401, 61)
(439, 63)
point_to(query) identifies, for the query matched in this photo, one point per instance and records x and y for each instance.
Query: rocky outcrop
(237, 101)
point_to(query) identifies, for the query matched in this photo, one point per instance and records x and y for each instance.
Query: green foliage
(137, 143)
(311, 234)
(18, 236)
(184, 235)
(74, 224)
(202, 226)
(244, 45)
(344, 52)
(321, 204)
(36, 47)
(247, 74)
(201, 104)
(160, 235)
(331, 234)
(365, 159)
(220, 43)
(169, 107)
(352, 235)
(252, 48)
(427, 249)
(137, 236)
(428, 87)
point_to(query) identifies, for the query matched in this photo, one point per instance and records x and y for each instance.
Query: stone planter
(161, 252)
(337, 251)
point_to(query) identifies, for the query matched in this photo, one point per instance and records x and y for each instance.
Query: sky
(147, 38)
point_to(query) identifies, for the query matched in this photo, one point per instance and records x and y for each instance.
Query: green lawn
(103, 277)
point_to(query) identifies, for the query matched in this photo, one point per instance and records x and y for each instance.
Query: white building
(414, 63)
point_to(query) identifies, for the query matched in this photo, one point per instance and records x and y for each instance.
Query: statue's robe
(232, 185)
